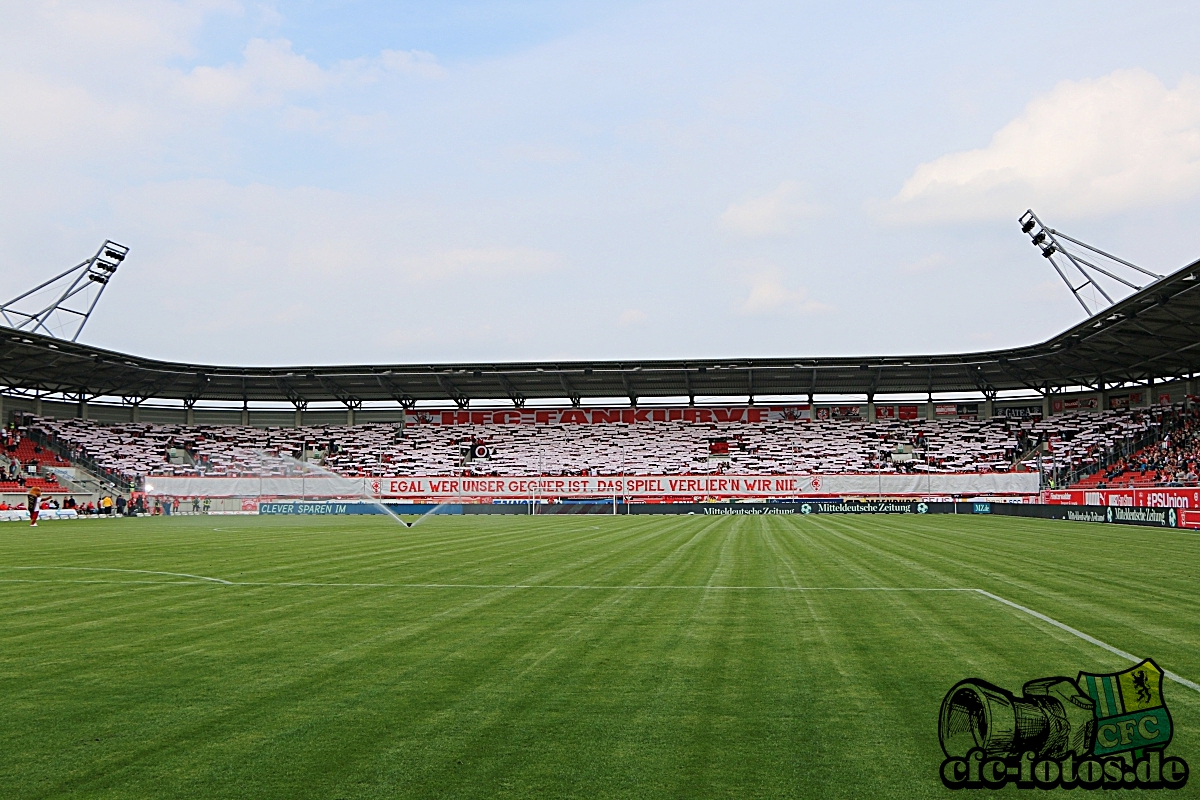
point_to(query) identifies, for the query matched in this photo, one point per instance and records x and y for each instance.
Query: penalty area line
(133, 571)
(605, 587)
(1086, 637)
(597, 587)
(485, 586)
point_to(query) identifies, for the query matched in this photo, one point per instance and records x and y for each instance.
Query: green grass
(587, 657)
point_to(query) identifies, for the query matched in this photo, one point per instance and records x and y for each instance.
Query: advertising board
(1126, 498)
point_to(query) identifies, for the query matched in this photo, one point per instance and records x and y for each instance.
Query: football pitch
(572, 656)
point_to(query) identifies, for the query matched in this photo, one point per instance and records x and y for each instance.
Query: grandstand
(788, 447)
(1172, 460)
(330, 618)
(1067, 408)
(24, 464)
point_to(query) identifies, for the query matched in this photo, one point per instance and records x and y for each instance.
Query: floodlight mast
(97, 270)
(1052, 243)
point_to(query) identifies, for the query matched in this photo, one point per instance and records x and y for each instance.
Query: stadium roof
(1154, 333)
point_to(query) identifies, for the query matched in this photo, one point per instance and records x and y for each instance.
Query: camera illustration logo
(1097, 731)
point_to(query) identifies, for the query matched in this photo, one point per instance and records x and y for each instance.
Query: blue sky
(334, 182)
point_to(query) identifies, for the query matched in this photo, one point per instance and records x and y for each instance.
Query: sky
(333, 182)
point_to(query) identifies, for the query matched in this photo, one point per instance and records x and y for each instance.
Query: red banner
(603, 416)
(585, 485)
(1076, 404)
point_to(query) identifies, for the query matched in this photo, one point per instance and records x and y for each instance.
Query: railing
(119, 481)
(1153, 437)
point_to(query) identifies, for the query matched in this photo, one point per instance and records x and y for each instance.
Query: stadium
(671, 572)
(855, 529)
(1029, 424)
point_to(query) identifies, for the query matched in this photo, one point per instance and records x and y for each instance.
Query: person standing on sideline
(32, 500)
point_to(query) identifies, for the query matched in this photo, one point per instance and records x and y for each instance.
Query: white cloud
(97, 32)
(542, 154)
(480, 262)
(269, 16)
(769, 295)
(412, 62)
(260, 259)
(743, 94)
(1086, 147)
(925, 265)
(50, 115)
(313, 235)
(774, 212)
(632, 316)
(270, 72)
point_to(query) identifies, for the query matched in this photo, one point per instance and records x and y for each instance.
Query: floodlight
(68, 289)
(1079, 256)
(1028, 226)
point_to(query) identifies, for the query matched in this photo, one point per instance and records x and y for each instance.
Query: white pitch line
(1086, 637)
(634, 587)
(137, 571)
(602, 587)
(569, 587)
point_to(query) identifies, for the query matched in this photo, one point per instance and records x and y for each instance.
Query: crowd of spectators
(107, 505)
(1173, 461)
(1064, 446)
